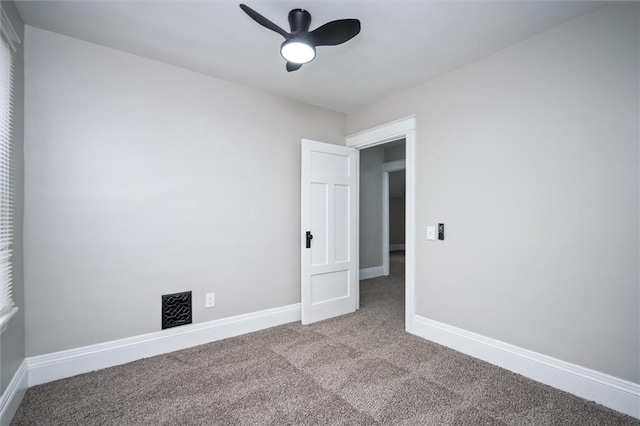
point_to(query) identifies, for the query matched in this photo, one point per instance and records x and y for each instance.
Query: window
(7, 50)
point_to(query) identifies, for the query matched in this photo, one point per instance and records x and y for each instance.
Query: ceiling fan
(299, 46)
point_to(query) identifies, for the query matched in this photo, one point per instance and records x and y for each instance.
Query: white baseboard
(374, 272)
(618, 394)
(395, 247)
(58, 365)
(13, 395)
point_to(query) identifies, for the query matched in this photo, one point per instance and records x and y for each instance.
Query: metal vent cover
(176, 309)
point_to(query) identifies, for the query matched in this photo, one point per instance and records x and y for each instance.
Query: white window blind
(7, 48)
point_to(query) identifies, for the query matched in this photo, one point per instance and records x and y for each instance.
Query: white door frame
(388, 167)
(398, 129)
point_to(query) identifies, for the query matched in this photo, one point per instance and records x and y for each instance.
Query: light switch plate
(431, 233)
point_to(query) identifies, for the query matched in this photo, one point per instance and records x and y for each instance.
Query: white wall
(531, 158)
(144, 179)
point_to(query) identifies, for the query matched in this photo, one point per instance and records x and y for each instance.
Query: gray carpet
(360, 369)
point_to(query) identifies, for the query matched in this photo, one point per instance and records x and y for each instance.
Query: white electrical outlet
(210, 300)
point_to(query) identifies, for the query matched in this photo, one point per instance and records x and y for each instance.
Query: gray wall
(371, 160)
(530, 156)
(396, 220)
(397, 189)
(13, 339)
(144, 179)
(395, 152)
(397, 215)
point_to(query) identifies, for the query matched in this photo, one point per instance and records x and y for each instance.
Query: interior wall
(397, 199)
(530, 157)
(371, 160)
(145, 179)
(13, 338)
(395, 152)
(397, 216)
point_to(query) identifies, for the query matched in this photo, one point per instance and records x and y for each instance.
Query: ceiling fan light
(297, 51)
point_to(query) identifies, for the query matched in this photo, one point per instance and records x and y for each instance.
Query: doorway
(382, 206)
(400, 129)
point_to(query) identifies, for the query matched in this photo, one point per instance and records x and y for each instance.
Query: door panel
(329, 164)
(342, 197)
(329, 211)
(319, 223)
(330, 286)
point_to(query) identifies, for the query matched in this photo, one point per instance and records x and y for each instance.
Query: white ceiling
(401, 44)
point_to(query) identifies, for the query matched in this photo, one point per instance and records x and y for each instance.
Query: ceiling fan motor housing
(299, 20)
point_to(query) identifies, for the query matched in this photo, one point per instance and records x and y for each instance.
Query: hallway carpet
(359, 369)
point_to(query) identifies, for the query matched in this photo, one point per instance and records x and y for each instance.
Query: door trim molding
(394, 166)
(384, 133)
(394, 130)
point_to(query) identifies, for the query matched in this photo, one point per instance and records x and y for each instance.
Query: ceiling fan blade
(335, 32)
(291, 66)
(264, 21)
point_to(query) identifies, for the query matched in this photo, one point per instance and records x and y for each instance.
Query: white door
(329, 234)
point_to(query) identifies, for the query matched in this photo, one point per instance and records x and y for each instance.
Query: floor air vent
(176, 309)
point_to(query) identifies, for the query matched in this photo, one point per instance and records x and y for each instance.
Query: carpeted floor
(360, 369)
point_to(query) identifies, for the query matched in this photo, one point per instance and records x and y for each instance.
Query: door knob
(309, 238)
